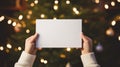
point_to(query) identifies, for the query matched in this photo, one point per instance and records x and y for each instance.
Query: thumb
(34, 37)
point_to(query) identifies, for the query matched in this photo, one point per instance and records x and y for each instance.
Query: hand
(87, 44)
(30, 44)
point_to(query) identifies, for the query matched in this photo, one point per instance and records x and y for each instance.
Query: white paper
(61, 33)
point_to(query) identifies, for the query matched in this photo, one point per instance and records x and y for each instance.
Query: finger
(84, 37)
(34, 37)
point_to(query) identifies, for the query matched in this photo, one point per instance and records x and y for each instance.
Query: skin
(31, 49)
(30, 44)
(87, 44)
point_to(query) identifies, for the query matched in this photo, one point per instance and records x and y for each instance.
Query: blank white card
(60, 33)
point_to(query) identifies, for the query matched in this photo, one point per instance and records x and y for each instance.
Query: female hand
(87, 44)
(30, 46)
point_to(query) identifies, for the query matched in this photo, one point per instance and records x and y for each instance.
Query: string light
(113, 3)
(7, 50)
(1, 48)
(27, 31)
(76, 11)
(96, 10)
(32, 4)
(97, 1)
(18, 27)
(62, 56)
(16, 49)
(67, 2)
(9, 21)
(85, 21)
(42, 15)
(23, 24)
(20, 17)
(2, 18)
(14, 24)
(109, 32)
(118, 17)
(118, 0)
(113, 23)
(43, 61)
(30, 12)
(54, 18)
(56, 1)
(62, 16)
(119, 38)
(55, 7)
(9, 46)
(19, 48)
(68, 49)
(94, 41)
(28, 16)
(106, 6)
(36, 1)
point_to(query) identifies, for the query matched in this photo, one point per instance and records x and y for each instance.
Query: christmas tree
(96, 20)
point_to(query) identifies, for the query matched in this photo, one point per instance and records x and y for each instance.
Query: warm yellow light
(119, 38)
(32, 4)
(106, 6)
(62, 56)
(36, 1)
(9, 46)
(45, 61)
(118, 17)
(75, 10)
(9, 21)
(30, 12)
(19, 48)
(97, 1)
(1, 48)
(28, 16)
(55, 7)
(2, 18)
(16, 49)
(56, 1)
(113, 23)
(113, 3)
(7, 50)
(67, 2)
(109, 32)
(68, 49)
(118, 0)
(27, 31)
(42, 15)
(42, 60)
(20, 17)
(54, 18)
(85, 21)
(18, 25)
(14, 24)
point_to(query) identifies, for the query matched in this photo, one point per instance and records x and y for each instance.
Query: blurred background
(100, 20)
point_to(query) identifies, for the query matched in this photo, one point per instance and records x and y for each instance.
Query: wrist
(85, 52)
(31, 52)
